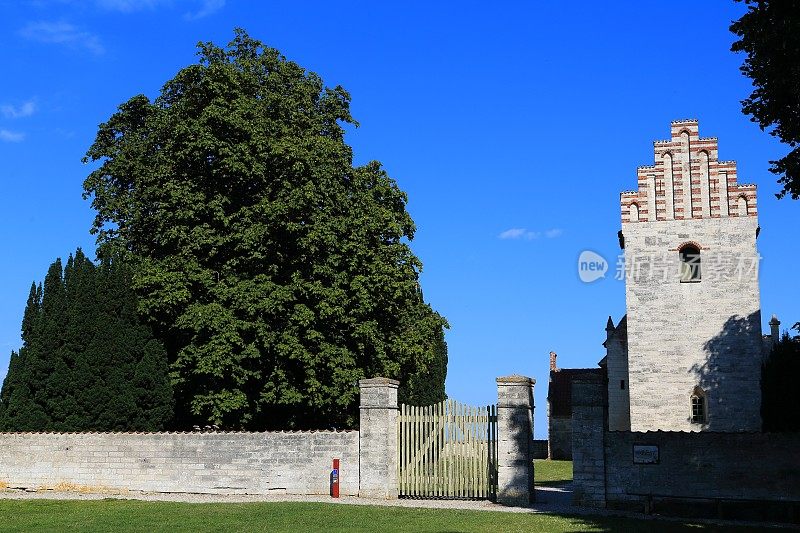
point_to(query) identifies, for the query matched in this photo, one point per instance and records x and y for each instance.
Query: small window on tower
(690, 263)
(622, 384)
(698, 406)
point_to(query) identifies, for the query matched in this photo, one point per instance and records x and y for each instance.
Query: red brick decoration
(687, 181)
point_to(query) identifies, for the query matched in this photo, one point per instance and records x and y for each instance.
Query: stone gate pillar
(378, 438)
(515, 440)
(588, 455)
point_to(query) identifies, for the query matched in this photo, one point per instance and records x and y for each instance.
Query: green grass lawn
(552, 473)
(131, 515)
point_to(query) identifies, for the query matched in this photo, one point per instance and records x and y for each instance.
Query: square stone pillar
(588, 433)
(378, 438)
(515, 440)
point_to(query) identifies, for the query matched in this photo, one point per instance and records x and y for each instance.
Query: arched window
(633, 211)
(699, 407)
(742, 206)
(690, 263)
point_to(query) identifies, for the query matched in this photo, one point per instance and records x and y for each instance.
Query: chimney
(774, 329)
(553, 366)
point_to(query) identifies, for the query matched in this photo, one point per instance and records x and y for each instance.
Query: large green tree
(769, 33)
(87, 362)
(276, 271)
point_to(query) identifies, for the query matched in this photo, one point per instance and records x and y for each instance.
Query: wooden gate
(447, 450)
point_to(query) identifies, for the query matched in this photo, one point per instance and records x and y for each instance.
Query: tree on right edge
(770, 35)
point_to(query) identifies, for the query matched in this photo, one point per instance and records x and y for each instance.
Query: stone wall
(560, 437)
(619, 405)
(687, 335)
(700, 466)
(540, 449)
(261, 463)
(733, 466)
(588, 420)
(230, 463)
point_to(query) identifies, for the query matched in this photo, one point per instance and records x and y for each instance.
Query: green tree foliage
(276, 272)
(87, 363)
(770, 35)
(780, 395)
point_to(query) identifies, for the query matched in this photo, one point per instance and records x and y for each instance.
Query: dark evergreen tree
(87, 362)
(426, 387)
(780, 395)
(17, 397)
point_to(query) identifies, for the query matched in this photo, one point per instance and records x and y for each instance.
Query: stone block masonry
(378, 457)
(588, 471)
(260, 463)
(515, 440)
(729, 470)
(215, 463)
(727, 466)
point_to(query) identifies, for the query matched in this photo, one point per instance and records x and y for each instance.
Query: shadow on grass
(650, 525)
(558, 483)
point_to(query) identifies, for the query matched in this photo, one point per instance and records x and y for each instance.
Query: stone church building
(687, 355)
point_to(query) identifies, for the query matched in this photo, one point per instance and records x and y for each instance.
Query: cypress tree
(87, 362)
(19, 411)
(427, 387)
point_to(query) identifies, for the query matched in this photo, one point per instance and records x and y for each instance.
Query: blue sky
(521, 120)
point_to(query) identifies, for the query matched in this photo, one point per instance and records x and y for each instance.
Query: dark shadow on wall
(719, 376)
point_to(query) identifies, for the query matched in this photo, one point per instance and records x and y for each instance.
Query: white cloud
(11, 136)
(513, 233)
(128, 6)
(199, 9)
(62, 33)
(523, 233)
(25, 109)
(207, 7)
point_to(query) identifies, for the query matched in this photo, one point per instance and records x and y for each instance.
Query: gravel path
(548, 500)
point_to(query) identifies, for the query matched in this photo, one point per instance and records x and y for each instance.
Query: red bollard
(335, 479)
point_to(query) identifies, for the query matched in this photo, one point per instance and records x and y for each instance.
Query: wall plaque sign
(645, 454)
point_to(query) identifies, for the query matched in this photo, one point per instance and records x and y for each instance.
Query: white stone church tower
(687, 356)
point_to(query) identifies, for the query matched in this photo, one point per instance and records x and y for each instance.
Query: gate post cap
(378, 382)
(515, 379)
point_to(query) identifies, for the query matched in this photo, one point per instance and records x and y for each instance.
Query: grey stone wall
(225, 463)
(540, 449)
(619, 405)
(588, 419)
(378, 428)
(683, 335)
(708, 465)
(735, 466)
(560, 437)
(515, 482)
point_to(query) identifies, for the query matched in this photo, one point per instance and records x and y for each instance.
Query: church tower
(692, 343)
